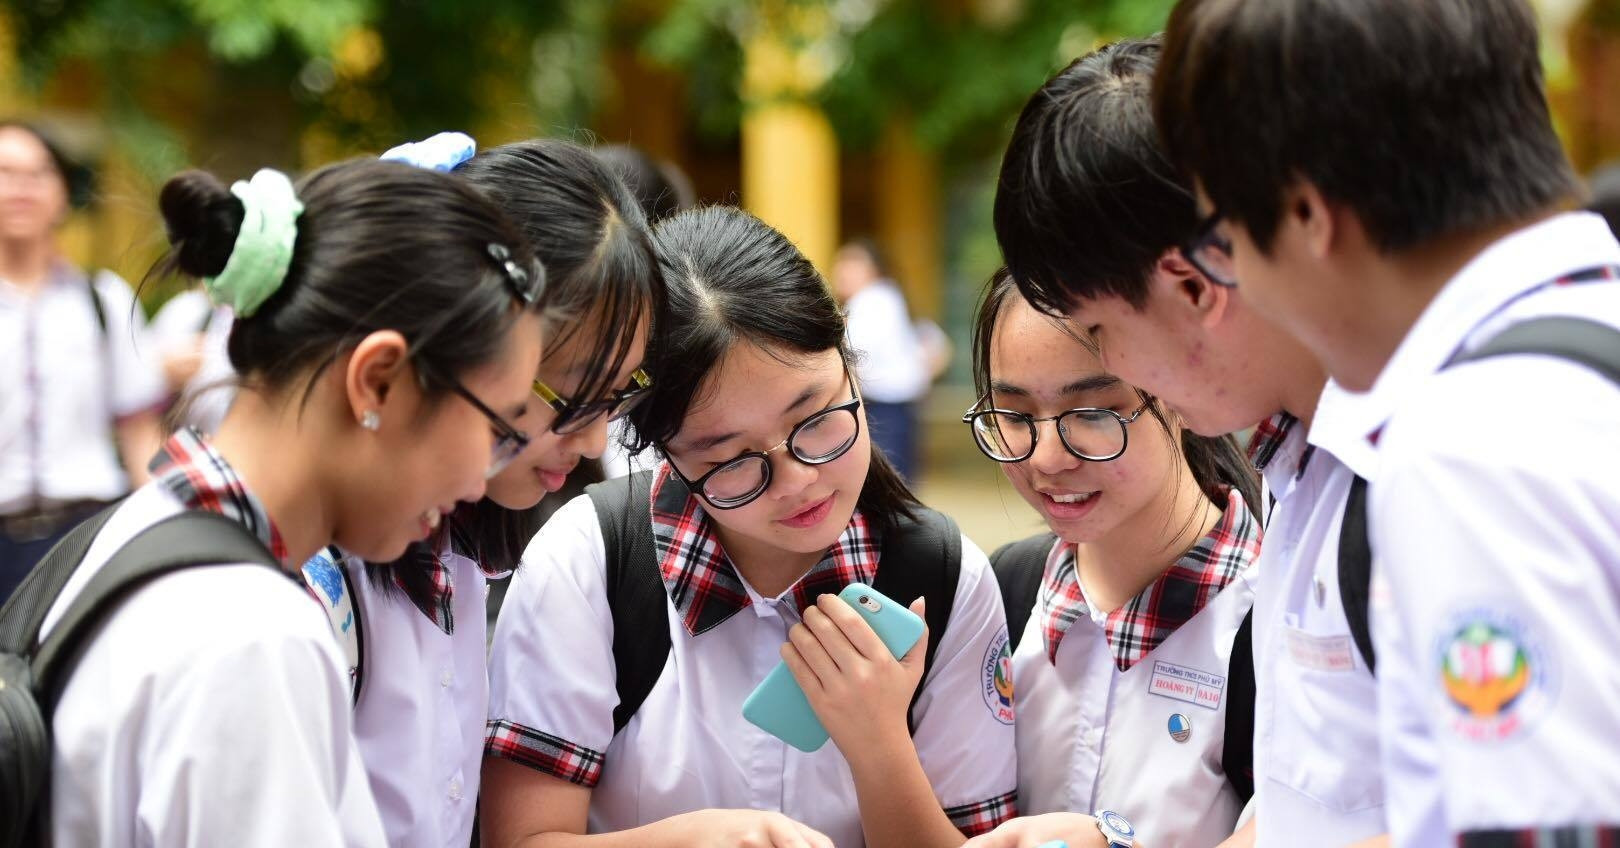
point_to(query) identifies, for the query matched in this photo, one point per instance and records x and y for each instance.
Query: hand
(747, 829)
(1079, 831)
(858, 689)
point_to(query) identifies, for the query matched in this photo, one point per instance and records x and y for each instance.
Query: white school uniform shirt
(890, 359)
(1145, 742)
(1495, 522)
(688, 747)
(1316, 704)
(210, 709)
(208, 395)
(423, 698)
(58, 402)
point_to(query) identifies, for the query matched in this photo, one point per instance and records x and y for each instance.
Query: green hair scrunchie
(264, 244)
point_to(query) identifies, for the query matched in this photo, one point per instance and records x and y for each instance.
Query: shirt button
(455, 790)
(446, 679)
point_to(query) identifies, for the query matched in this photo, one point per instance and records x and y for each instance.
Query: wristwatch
(1115, 828)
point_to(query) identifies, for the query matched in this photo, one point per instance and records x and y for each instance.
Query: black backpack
(1019, 567)
(929, 546)
(33, 675)
(1589, 343)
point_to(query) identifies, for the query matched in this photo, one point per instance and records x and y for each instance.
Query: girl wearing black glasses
(1129, 619)
(650, 609)
(417, 652)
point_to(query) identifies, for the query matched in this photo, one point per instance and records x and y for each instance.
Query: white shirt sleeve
(1497, 528)
(137, 379)
(964, 731)
(179, 321)
(551, 669)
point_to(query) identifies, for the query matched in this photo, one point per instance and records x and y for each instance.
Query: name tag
(1187, 684)
(1321, 653)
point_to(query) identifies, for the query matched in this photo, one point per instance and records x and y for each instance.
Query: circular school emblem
(998, 678)
(1496, 678)
(1180, 727)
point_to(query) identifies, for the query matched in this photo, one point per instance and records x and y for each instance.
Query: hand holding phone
(779, 706)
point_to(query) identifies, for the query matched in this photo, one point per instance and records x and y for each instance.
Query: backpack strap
(1237, 751)
(1355, 570)
(190, 539)
(636, 596)
(1019, 567)
(921, 556)
(1579, 340)
(24, 613)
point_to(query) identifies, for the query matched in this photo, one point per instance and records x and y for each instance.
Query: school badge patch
(998, 678)
(1180, 728)
(1496, 678)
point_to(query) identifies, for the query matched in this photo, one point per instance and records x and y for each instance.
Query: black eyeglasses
(1094, 435)
(1210, 252)
(509, 440)
(817, 440)
(573, 417)
(526, 287)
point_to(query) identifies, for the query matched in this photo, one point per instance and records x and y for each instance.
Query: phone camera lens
(865, 600)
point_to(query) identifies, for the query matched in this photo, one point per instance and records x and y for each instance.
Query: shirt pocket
(1326, 744)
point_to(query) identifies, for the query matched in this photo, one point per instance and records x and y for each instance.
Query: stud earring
(371, 420)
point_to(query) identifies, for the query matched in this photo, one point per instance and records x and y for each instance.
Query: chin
(516, 500)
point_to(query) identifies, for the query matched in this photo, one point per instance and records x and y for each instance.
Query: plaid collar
(1278, 450)
(435, 602)
(702, 582)
(1184, 589)
(196, 474)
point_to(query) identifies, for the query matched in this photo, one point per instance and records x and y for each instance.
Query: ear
(1183, 285)
(1308, 219)
(376, 365)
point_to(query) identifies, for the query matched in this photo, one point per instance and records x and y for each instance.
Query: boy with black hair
(1383, 178)
(1090, 215)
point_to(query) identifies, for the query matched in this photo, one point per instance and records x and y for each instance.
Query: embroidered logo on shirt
(998, 678)
(1180, 727)
(1187, 684)
(1496, 678)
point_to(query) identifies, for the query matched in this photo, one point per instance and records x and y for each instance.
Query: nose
(1050, 456)
(591, 441)
(789, 476)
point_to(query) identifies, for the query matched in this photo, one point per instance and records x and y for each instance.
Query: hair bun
(202, 218)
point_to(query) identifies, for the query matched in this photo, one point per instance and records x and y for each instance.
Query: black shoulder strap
(1355, 570)
(190, 539)
(635, 590)
(921, 556)
(95, 300)
(1019, 566)
(24, 612)
(1237, 752)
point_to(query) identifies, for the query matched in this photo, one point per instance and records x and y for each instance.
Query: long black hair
(601, 275)
(734, 280)
(380, 246)
(1218, 463)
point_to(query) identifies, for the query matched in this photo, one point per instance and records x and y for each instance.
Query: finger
(918, 655)
(816, 840)
(831, 635)
(811, 654)
(855, 628)
(804, 675)
(784, 833)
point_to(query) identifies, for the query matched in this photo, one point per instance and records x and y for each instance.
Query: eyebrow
(811, 392)
(1092, 383)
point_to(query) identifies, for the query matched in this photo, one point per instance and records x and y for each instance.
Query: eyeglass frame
(1033, 423)
(504, 431)
(569, 411)
(852, 405)
(1204, 235)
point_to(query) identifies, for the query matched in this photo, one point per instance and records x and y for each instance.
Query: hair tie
(264, 244)
(442, 152)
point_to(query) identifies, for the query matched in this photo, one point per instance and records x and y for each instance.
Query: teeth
(1071, 499)
(433, 518)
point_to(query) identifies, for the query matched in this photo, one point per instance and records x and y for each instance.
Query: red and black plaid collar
(440, 589)
(1138, 627)
(702, 582)
(196, 474)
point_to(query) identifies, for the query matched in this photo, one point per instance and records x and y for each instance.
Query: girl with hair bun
(386, 338)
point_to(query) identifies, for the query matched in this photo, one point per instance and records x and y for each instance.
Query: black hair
(78, 178)
(380, 246)
(735, 280)
(1605, 195)
(1426, 118)
(1086, 201)
(660, 187)
(1218, 463)
(601, 275)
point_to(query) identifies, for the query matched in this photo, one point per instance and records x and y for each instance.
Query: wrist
(878, 755)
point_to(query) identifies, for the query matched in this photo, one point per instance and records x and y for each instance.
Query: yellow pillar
(909, 220)
(789, 151)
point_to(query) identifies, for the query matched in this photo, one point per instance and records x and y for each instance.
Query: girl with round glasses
(418, 637)
(768, 501)
(1127, 614)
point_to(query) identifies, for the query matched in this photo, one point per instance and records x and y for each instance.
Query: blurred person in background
(77, 390)
(890, 358)
(189, 335)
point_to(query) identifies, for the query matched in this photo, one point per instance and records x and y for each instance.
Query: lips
(1066, 505)
(552, 480)
(810, 515)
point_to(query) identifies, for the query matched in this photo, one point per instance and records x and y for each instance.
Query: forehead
(1028, 340)
(21, 147)
(751, 388)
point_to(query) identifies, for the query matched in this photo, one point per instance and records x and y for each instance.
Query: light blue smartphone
(778, 706)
